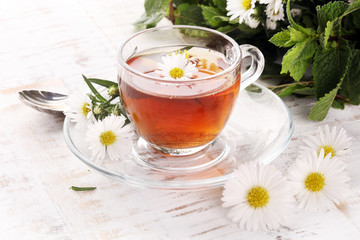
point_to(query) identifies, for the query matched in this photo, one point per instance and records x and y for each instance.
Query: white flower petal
(246, 177)
(176, 60)
(332, 170)
(122, 134)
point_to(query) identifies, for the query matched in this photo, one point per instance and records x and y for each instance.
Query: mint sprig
(319, 49)
(329, 51)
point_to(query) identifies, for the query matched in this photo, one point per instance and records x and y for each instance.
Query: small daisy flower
(334, 141)
(176, 66)
(258, 197)
(318, 181)
(242, 9)
(79, 110)
(276, 5)
(274, 13)
(108, 137)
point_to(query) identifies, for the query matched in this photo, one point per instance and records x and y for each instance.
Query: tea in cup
(179, 85)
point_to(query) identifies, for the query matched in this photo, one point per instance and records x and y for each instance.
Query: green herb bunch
(315, 53)
(101, 106)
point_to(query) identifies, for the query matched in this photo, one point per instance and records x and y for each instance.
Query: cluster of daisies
(105, 122)
(106, 126)
(250, 12)
(261, 198)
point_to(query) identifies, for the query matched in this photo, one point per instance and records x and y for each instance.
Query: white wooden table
(48, 45)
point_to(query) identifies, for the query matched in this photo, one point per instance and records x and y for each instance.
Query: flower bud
(116, 110)
(97, 110)
(113, 91)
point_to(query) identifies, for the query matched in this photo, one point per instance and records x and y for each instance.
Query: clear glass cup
(180, 121)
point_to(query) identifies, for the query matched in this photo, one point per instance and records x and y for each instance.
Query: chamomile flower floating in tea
(334, 141)
(79, 110)
(319, 182)
(242, 9)
(258, 196)
(107, 137)
(177, 66)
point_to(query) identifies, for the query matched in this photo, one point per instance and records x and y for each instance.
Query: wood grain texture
(48, 45)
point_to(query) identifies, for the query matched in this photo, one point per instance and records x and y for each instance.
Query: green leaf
(329, 66)
(329, 12)
(221, 18)
(352, 8)
(328, 30)
(298, 58)
(82, 188)
(154, 11)
(282, 39)
(338, 104)
(307, 91)
(356, 19)
(297, 36)
(93, 89)
(220, 4)
(289, 90)
(227, 29)
(102, 82)
(210, 13)
(189, 14)
(350, 88)
(321, 108)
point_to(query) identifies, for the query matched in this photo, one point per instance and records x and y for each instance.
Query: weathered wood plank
(48, 45)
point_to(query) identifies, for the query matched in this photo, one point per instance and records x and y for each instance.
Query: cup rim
(229, 69)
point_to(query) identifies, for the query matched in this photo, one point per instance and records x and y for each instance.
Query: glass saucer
(259, 129)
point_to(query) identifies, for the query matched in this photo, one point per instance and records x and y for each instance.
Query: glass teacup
(180, 112)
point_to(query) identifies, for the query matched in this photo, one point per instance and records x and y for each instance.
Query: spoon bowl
(44, 101)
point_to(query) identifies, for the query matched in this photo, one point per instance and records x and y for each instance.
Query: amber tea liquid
(179, 117)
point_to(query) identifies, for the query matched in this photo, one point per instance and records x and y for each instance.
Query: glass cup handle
(256, 66)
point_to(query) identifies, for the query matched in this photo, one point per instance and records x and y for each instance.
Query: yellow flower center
(176, 72)
(107, 138)
(327, 149)
(84, 109)
(315, 182)
(246, 4)
(258, 197)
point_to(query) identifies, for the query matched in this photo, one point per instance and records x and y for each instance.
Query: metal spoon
(43, 101)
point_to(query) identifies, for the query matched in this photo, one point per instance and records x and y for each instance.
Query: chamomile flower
(79, 110)
(318, 181)
(176, 66)
(108, 137)
(242, 9)
(258, 196)
(276, 5)
(275, 12)
(334, 141)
